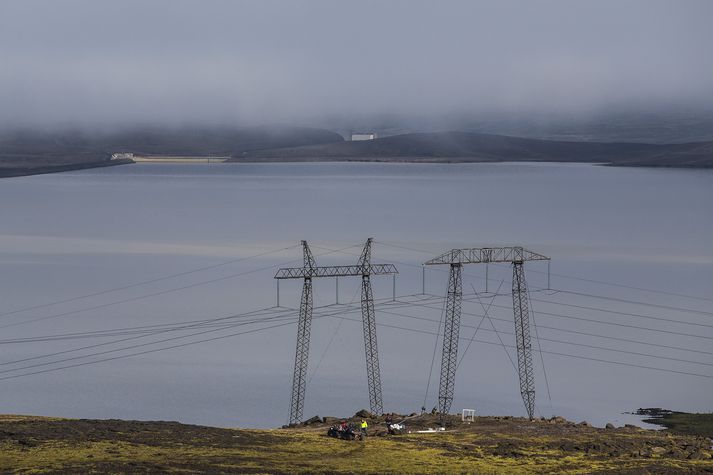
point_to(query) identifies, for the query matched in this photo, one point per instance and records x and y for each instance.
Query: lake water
(72, 234)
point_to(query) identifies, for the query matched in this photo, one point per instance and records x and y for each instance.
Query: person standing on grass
(364, 427)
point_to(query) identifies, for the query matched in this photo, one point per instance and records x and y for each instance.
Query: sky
(90, 62)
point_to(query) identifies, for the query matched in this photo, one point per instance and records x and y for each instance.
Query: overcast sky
(109, 62)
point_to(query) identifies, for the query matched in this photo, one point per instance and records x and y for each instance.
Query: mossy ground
(489, 445)
(686, 423)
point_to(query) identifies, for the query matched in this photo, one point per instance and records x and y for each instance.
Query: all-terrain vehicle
(345, 432)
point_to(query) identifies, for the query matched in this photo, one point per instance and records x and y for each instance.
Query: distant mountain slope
(472, 147)
(54, 148)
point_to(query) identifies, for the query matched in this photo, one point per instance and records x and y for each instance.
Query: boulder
(330, 420)
(313, 420)
(610, 426)
(585, 424)
(364, 414)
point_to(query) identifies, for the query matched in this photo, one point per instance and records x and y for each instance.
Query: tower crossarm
(335, 271)
(481, 255)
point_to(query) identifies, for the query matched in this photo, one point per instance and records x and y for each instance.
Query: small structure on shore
(363, 136)
(122, 156)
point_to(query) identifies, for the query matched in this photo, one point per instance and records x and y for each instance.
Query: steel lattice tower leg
(451, 332)
(373, 373)
(299, 378)
(522, 335)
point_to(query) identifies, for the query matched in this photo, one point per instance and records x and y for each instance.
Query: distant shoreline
(15, 172)
(179, 159)
(31, 152)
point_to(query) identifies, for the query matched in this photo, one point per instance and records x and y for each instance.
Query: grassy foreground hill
(488, 445)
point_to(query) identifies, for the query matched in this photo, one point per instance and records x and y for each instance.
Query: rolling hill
(476, 147)
(25, 152)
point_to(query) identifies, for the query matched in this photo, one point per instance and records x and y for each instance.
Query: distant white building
(364, 136)
(119, 156)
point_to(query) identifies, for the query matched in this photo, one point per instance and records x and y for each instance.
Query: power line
(637, 302)
(608, 337)
(557, 353)
(624, 325)
(169, 347)
(433, 357)
(152, 328)
(180, 345)
(638, 327)
(125, 330)
(681, 360)
(329, 344)
(542, 358)
(347, 309)
(485, 314)
(336, 315)
(154, 332)
(139, 345)
(139, 297)
(583, 279)
(627, 314)
(154, 294)
(625, 286)
(576, 332)
(605, 297)
(144, 282)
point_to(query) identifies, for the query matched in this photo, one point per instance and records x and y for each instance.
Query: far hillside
(476, 147)
(30, 151)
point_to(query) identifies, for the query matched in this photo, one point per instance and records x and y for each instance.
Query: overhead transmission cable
(154, 294)
(636, 302)
(226, 326)
(624, 325)
(336, 315)
(638, 327)
(485, 314)
(146, 282)
(584, 279)
(601, 360)
(163, 348)
(680, 360)
(149, 333)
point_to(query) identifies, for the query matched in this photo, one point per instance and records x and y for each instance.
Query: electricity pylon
(520, 299)
(449, 358)
(373, 373)
(451, 332)
(310, 270)
(304, 325)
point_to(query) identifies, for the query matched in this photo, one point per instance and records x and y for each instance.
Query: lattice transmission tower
(365, 269)
(456, 258)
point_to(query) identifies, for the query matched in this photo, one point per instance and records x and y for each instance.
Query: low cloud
(125, 62)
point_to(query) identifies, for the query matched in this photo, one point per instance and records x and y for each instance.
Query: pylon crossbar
(482, 255)
(335, 271)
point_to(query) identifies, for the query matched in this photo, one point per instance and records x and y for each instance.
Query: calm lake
(99, 232)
